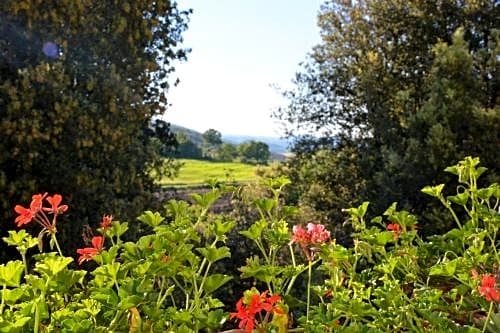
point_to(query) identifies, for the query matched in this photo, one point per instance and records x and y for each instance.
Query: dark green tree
(212, 140)
(80, 82)
(227, 152)
(186, 148)
(396, 91)
(254, 152)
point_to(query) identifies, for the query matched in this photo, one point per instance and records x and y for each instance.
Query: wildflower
(55, 201)
(88, 253)
(487, 288)
(395, 228)
(248, 307)
(106, 222)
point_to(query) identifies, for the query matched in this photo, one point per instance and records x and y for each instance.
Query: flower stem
(53, 235)
(487, 318)
(3, 298)
(309, 274)
(23, 255)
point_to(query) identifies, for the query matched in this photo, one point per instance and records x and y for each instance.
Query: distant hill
(194, 136)
(276, 145)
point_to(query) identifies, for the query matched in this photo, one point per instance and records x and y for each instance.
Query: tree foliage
(212, 140)
(396, 91)
(80, 82)
(254, 152)
(186, 148)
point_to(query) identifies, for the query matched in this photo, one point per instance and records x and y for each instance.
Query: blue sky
(239, 49)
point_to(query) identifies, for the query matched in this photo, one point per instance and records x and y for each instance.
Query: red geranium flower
(395, 228)
(88, 253)
(25, 215)
(36, 211)
(300, 235)
(55, 201)
(36, 202)
(318, 233)
(487, 288)
(246, 311)
(314, 235)
(106, 222)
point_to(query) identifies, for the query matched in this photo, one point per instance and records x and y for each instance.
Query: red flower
(487, 288)
(25, 215)
(318, 233)
(395, 228)
(246, 311)
(106, 222)
(315, 234)
(36, 202)
(55, 201)
(88, 253)
(300, 235)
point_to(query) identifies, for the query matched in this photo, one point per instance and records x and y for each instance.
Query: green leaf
(486, 193)
(51, 264)
(255, 231)
(21, 239)
(182, 317)
(391, 210)
(433, 191)
(460, 199)
(288, 211)
(452, 169)
(265, 204)
(10, 273)
(207, 199)
(214, 254)
(118, 229)
(444, 269)
(216, 318)
(215, 281)
(129, 302)
(255, 269)
(7, 326)
(384, 237)
(11, 296)
(151, 219)
(358, 212)
(222, 228)
(278, 234)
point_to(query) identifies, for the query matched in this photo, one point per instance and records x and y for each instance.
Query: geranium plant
(390, 280)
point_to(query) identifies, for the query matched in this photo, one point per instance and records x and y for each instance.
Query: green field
(195, 172)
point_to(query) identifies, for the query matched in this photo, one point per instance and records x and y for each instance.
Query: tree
(405, 88)
(254, 152)
(227, 152)
(80, 82)
(186, 148)
(212, 139)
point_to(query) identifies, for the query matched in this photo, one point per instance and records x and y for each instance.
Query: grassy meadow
(196, 172)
